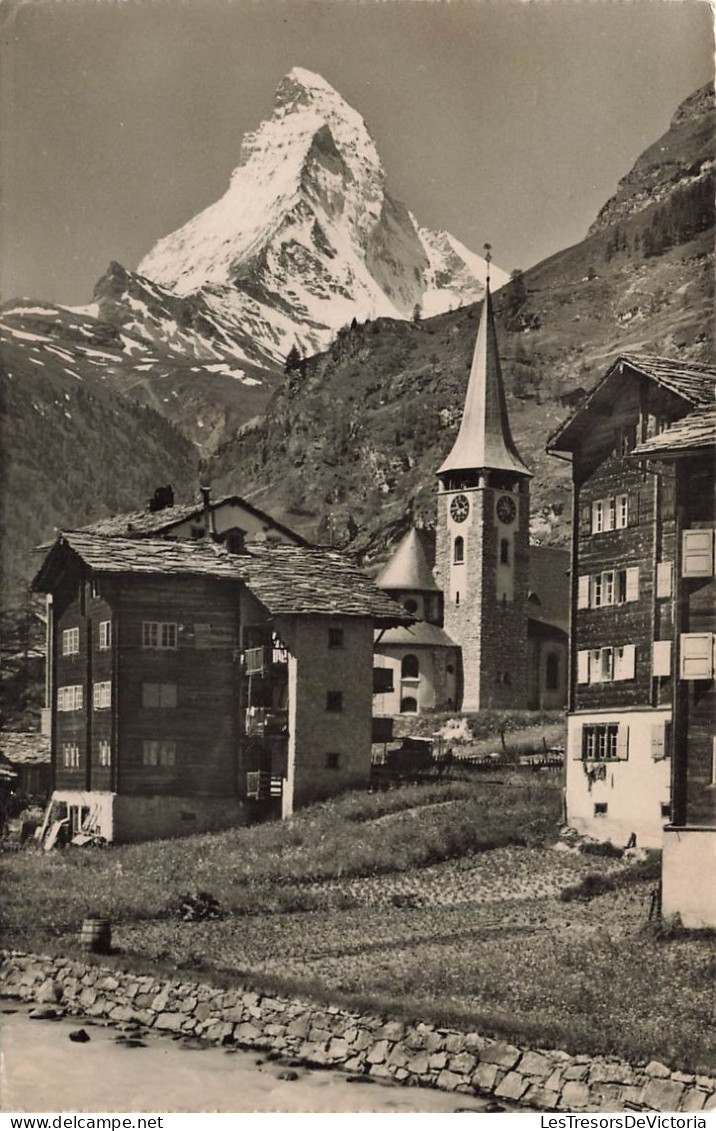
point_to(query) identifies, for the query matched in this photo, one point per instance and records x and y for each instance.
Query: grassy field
(438, 901)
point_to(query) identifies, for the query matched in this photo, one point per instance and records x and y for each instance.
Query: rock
(49, 992)
(492, 1108)
(575, 1095)
(194, 1043)
(246, 1032)
(484, 1077)
(693, 1100)
(512, 1087)
(46, 1013)
(657, 1069)
(287, 1074)
(449, 1081)
(534, 1064)
(170, 1021)
(378, 1053)
(134, 1043)
(463, 1063)
(79, 1036)
(338, 1049)
(663, 1095)
(506, 1056)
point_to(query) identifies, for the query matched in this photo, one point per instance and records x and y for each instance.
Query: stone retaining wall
(417, 1053)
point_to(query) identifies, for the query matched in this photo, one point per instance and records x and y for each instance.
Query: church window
(458, 550)
(410, 667)
(408, 705)
(504, 551)
(551, 676)
(457, 598)
(411, 605)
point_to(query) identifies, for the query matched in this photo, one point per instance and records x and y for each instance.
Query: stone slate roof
(693, 432)
(26, 748)
(689, 380)
(408, 568)
(146, 523)
(294, 580)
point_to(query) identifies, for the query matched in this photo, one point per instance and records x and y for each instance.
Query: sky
(498, 120)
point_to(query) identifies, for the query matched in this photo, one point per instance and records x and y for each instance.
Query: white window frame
(159, 695)
(597, 516)
(159, 752)
(104, 642)
(70, 697)
(605, 742)
(583, 659)
(159, 634)
(104, 753)
(621, 512)
(102, 694)
(70, 755)
(70, 641)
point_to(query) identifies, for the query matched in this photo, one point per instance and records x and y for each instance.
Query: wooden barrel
(96, 935)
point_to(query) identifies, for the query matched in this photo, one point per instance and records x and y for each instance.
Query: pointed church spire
(408, 568)
(484, 439)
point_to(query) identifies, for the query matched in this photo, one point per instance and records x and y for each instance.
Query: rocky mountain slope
(348, 451)
(308, 237)
(71, 445)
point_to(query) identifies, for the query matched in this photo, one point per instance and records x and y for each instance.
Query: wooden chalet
(685, 453)
(627, 596)
(195, 688)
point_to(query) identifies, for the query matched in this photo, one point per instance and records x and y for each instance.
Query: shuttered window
(632, 583)
(105, 635)
(583, 592)
(70, 641)
(159, 753)
(70, 698)
(697, 553)
(661, 658)
(102, 694)
(605, 742)
(664, 571)
(697, 655)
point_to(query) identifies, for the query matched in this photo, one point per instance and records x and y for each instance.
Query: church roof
(421, 634)
(484, 439)
(408, 568)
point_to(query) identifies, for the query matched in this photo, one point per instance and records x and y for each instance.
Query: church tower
(482, 550)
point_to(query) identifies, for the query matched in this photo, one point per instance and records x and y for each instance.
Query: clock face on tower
(460, 508)
(506, 509)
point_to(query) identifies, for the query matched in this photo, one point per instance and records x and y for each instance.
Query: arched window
(458, 550)
(504, 551)
(551, 674)
(408, 705)
(410, 667)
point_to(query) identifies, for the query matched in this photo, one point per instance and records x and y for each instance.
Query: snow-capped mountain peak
(307, 236)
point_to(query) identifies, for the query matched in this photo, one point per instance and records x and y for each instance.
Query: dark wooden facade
(201, 712)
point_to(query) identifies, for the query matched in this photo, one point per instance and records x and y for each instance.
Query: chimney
(209, 526)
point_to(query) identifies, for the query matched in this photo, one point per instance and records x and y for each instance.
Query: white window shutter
(664, 571)
(583, 592)
(595, 666)
(623, 741)
(661, 658)
(632, 583)
(576, 741)
(697, 553)
(658, 741)
(583, 666)
(696, 655)
(625, 662)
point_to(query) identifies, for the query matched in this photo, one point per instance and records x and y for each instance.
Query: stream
(42, 1070)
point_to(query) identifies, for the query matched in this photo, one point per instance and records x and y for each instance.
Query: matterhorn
(307, 236)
